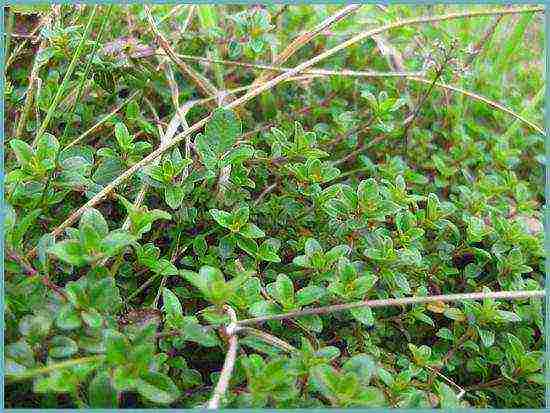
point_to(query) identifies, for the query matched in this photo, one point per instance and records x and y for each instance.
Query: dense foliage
(321, 190)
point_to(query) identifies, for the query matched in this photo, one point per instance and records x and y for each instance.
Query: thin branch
(507, 295)
(266, 86)
(104, 119)
(482, 99)
(492, 383)
(439, 71)
(229, 363)
(461, 391)
(204, 85)
(66, 78)
(355, 73)
(266, 191)
(32, 81)
(305, 38)
(269, 339)
(31, 271)
(27, 374)
(323, 72)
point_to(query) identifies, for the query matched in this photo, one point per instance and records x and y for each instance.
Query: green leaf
(282, 290)
(157, 387)
(193, 331)
(445, 334)
(308, 295)
(62, 347)
(363, 315)
(240, 217)
(174, 196)
(23, 226)
(171, 303)
(487, 337)
(69, 251)
(312, 246)
(47, 147)
(92, 318)
(101, 393)
(123, 137)
(325, 379)
(223, 218)
(23, 152)
(89, 238)
(93, 218)
(222, 130)
(248, 245)
(116, 346)
(251, 231)
(508, 316)
(268, 250)
(68, 318)
(363, 365)
(116, 241)
(198, 281)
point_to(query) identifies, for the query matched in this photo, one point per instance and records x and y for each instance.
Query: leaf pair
(314, 171)
(92, 241)
(215, 146)
(315, 258)
(211, 283)
(165, 176)
(34, 163)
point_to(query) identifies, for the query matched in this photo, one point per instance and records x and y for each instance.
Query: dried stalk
(32, 80)
(305, 38)
(229, 363)
(507, 295)
(323, 72)
(269, 339)
(482, 99)
(204, 85)
(104, 119)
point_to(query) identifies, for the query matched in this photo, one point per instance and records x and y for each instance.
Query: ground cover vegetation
(254, 206)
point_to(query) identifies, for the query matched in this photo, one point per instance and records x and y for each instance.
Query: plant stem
(510, 295)
(86, 71)
(33, 77)
(229, 363)
(70, 69)
(28, 268)
(14, 377)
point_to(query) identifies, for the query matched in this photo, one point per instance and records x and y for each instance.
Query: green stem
(9, 31)
(86, 71)
(65, 81)
(14, 377)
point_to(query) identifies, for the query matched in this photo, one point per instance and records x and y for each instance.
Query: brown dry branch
(506, 295)
(406, 75)
(305, 38)
(323, 72)
(268, 338)
(489, 102)
(203, 84)
(27, 268)
(229, 363)
(33, 77)
(104, 119)
(266, 86)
